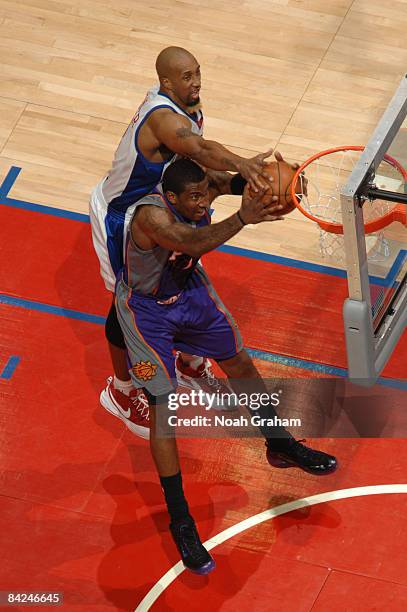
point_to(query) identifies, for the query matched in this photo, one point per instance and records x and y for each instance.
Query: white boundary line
(169, 577)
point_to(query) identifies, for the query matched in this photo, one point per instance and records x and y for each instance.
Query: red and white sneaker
(132, 409)
(203, 379)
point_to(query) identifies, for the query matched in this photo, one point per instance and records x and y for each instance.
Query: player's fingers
(253, 184)
(263, 180)
(280, 158)
(258, 182)
(272, 209)
(267, 177)
(270, 200)
(255, 196)
(263, 156)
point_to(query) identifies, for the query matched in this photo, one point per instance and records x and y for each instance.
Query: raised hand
(252, 170)
(261, 206)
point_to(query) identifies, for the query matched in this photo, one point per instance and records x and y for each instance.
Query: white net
(325, 177)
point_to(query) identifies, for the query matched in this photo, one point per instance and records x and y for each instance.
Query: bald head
(172, 59)
(180, 76)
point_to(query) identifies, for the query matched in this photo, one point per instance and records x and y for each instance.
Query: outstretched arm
(159, 224)
(174, 131)
(221, 183)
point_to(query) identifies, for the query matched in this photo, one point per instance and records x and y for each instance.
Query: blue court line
(265, 356)
(321, 368)
(9, 181)
(297, 363)
(284, 261)
(247, 253)
(10, 367)
(388, 281)
(49, 309)
(46, 210)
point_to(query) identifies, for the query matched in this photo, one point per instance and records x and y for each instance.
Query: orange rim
(397, 213)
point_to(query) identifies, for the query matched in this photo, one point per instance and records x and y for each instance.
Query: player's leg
(117, 350)
(182, 526)
(119, 396)
(120, 368)
(282, 449)
(148, 330)
(215, 334)
(98, 211)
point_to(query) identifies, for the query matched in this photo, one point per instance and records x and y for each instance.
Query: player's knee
(113, 331)
(239, 366)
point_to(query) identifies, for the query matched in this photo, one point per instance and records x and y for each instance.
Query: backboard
(375, 313)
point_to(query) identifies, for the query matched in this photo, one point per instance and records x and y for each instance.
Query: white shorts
(98, 212)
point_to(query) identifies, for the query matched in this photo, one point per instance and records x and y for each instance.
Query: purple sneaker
(194, 555)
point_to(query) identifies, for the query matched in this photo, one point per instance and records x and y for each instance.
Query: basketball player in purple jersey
(166, 302)
(169, 123)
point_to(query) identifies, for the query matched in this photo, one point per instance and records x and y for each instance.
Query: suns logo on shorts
(145, 370)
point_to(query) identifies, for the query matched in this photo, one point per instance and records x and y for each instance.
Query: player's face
(193, 202)
(185, 82)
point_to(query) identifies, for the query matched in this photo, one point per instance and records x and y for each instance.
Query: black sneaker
(296, 454)
(194, 555)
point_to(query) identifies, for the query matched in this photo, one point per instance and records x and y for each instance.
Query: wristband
(237, 184)
(240, 218)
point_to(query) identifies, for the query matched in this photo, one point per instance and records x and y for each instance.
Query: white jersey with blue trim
(132, 176)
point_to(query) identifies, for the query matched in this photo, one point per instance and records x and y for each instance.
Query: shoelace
(140, 404)
(210, 377)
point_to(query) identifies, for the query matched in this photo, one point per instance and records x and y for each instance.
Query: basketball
(283, 175)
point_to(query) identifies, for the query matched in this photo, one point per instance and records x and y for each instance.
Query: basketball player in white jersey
(169, 123)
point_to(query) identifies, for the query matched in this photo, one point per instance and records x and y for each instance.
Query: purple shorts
(196, 322)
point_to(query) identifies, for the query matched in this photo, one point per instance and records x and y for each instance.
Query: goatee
(194, 106)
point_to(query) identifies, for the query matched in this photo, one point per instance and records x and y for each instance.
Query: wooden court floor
(301, 75)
